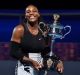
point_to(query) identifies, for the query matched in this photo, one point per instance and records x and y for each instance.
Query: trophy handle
(67, 32)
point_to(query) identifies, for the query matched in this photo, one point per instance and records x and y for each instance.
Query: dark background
(41, 4)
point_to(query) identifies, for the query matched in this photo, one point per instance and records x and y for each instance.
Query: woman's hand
(37, 65)
(60, 67)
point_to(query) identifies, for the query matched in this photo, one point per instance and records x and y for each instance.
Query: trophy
(55, 31)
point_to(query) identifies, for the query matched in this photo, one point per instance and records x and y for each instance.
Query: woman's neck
(33, 25)
(33, 28)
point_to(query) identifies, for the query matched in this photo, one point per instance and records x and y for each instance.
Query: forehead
(31, 7)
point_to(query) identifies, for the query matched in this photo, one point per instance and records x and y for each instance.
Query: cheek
(26, 15)
(38, 14)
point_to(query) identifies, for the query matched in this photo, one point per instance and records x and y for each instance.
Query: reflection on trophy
(55, 32)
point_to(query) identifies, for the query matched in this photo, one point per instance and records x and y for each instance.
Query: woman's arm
(15, 46)
(15, 42)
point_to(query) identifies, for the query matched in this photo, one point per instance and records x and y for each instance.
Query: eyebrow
(33, 10)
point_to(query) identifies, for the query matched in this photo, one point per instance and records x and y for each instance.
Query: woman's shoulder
(19, 28)
(17, 33)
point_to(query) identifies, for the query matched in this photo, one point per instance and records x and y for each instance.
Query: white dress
(20, 68)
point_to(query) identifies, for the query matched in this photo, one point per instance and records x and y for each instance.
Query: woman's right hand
(37, 65)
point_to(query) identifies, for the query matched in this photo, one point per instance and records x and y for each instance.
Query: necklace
(32, 30)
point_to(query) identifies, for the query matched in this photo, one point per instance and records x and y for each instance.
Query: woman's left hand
(60, 67)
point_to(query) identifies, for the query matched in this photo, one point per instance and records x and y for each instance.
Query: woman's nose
(31, 13)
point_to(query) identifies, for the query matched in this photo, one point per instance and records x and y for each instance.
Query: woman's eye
(28, 12)
(35, 11)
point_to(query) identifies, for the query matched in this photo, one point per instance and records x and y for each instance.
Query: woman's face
(32, 13)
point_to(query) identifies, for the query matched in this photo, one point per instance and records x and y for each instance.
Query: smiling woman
(28, 44)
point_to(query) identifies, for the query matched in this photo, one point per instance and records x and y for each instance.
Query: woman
(28, 44)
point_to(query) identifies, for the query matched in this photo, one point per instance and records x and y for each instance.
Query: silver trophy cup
(55, 31)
